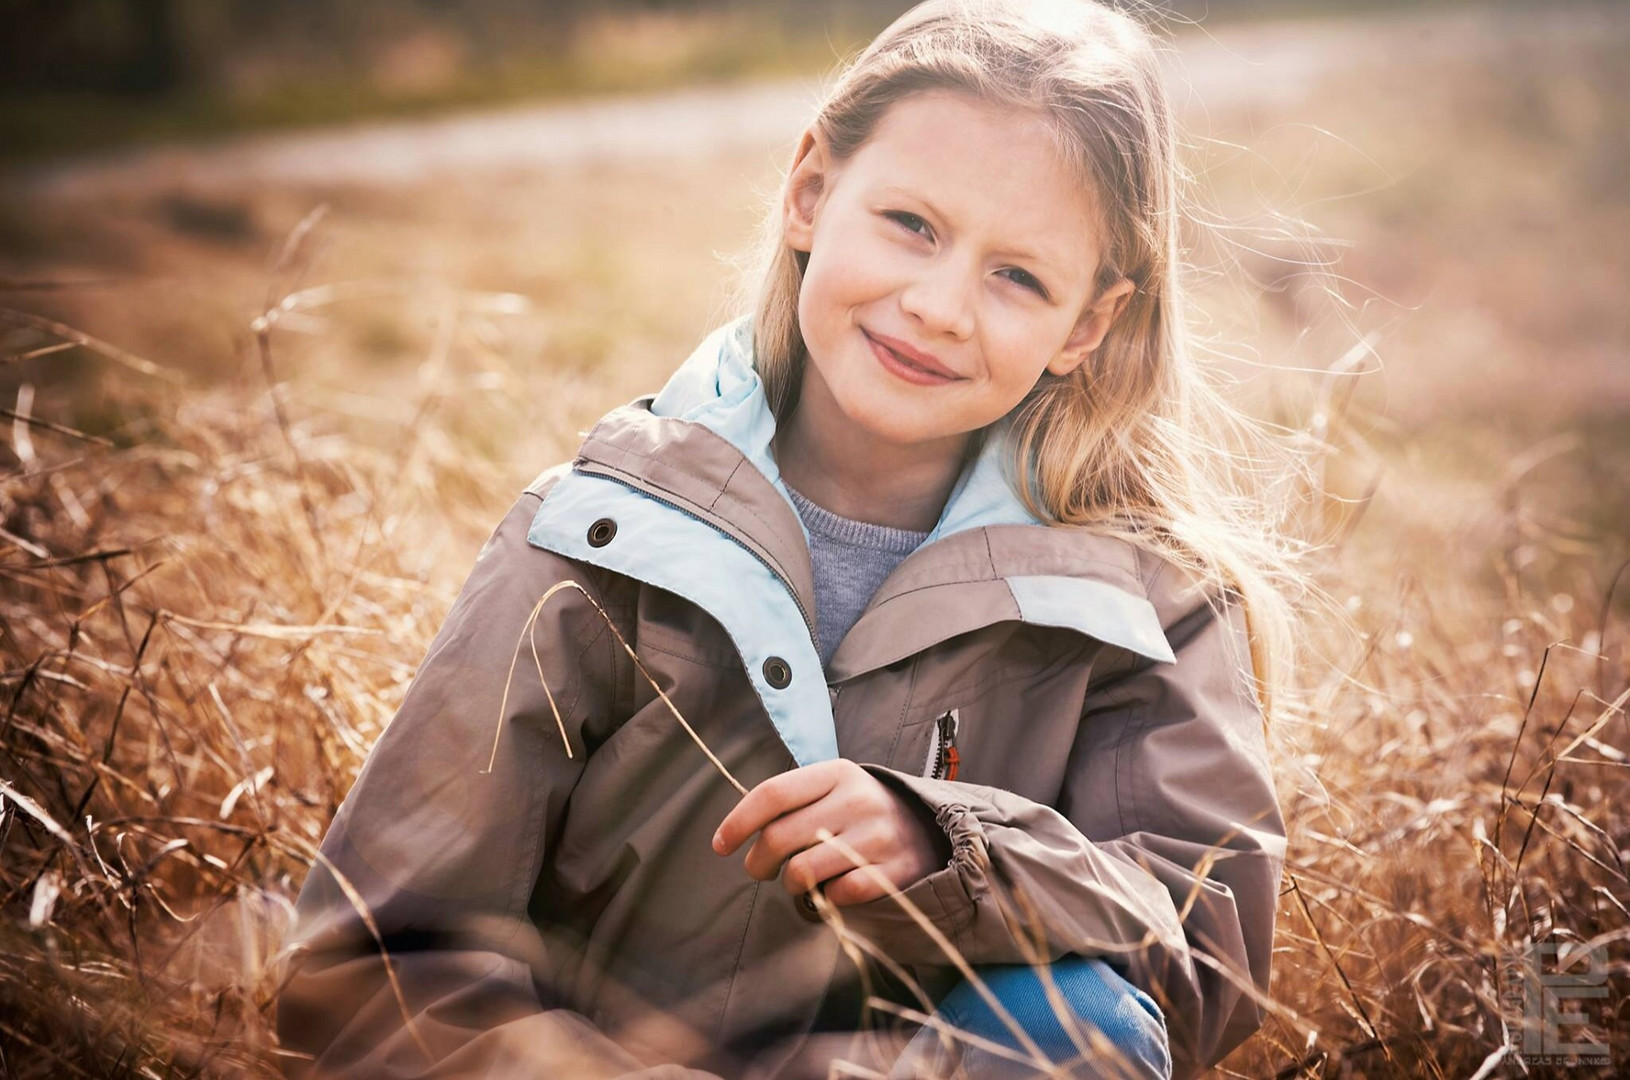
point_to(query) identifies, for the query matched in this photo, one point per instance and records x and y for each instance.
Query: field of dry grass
(256, 436)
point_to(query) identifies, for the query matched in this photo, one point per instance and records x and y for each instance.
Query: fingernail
(718, 843)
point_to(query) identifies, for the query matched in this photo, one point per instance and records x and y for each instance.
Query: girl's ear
(1091, 329)
(801, 197)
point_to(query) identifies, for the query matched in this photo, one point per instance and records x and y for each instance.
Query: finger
(813, 865)
(785, 837)
(858, 886)
(774, 797)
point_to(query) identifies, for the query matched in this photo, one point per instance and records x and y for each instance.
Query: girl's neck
(855, 475)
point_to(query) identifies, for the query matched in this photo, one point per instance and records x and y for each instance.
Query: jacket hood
(696, 506)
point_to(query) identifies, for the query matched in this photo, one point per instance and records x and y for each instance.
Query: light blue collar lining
(719, 388)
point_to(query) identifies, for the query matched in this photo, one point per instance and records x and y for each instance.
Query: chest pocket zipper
(944, 761)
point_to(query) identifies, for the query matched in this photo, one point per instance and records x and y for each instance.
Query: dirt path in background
(1234, 67)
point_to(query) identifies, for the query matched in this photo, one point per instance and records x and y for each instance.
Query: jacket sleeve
(1163, 854)
(441, 841)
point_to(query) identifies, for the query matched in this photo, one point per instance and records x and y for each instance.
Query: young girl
(920, 585)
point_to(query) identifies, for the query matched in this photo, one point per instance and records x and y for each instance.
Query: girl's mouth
(905, 369)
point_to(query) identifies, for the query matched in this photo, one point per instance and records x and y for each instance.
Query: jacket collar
(699, 508)
(705, 438)
(719, 388)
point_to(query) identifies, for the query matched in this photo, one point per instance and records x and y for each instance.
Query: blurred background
(295, 297)
(84, 73)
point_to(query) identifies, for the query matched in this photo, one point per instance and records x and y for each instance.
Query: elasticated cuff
(948, 897)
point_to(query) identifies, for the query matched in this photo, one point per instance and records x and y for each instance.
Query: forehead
(995, 171)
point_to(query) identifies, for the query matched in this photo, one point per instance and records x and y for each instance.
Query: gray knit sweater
(850, 558)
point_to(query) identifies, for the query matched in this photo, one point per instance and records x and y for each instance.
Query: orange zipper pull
(944, 759)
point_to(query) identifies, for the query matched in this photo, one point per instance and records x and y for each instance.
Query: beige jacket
(552, 913)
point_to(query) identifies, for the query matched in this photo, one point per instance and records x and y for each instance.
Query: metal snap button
(601, 532)
(777, 673)
(807, 908)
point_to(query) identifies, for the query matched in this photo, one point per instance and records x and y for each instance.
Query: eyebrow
(1016, 253)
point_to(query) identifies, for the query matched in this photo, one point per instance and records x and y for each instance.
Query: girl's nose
(941, 299)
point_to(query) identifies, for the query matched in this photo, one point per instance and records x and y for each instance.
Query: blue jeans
(1096, 993)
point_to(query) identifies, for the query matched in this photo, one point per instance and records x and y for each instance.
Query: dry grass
(207, 622)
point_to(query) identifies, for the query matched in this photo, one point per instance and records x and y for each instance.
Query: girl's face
(954, 236)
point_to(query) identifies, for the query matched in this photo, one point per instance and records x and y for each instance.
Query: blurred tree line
(145, 48)
(155, 47)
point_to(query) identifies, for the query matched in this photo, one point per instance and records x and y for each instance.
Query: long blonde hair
(1135, 442)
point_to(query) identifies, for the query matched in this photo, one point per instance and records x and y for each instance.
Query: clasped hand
(788, 811)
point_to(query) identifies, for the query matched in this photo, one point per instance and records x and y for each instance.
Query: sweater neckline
(855, 533)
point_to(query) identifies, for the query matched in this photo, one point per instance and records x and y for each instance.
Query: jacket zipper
(944, 760)
(621, 478)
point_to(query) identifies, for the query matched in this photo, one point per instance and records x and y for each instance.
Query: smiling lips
(909, 363)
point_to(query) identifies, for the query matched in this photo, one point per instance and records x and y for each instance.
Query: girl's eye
(1028, 280)
(915, 223)
(908, 220)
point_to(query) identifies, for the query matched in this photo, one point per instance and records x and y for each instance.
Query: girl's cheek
(871, 270)
(836, 282)
(849, 274)
(815, 296)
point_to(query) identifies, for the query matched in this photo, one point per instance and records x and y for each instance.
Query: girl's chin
(893, 426)
(881, 413)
